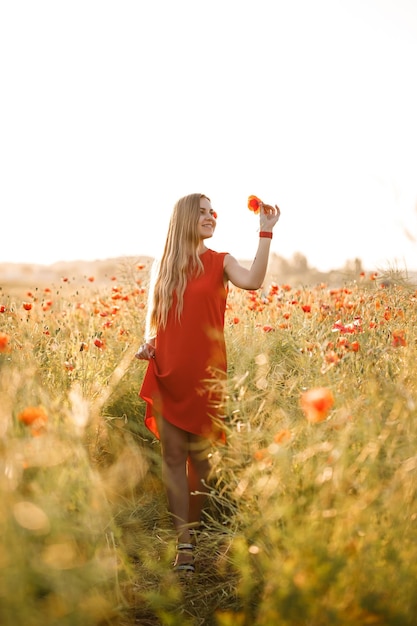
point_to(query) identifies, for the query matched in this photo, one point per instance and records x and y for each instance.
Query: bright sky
(112, 110)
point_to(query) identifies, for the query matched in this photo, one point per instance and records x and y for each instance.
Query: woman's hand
(146, 352)
(268, 216)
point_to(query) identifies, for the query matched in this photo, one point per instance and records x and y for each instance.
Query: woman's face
(207, 221)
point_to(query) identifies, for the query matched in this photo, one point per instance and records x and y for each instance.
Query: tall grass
(307, 523)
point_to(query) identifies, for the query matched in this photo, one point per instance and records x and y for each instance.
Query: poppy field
(312, 509)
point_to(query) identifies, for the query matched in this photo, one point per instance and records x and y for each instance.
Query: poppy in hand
(254, 204)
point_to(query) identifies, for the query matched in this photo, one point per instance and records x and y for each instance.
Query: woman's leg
(174, 442)
(198, 472)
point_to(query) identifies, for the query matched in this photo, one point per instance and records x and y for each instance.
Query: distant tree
(353, 266)
(299, 263)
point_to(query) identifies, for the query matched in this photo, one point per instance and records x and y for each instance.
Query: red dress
(184, 381)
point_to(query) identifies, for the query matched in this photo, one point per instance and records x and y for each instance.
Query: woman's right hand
(146, 352)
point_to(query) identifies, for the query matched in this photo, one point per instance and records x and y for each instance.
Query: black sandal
(185, 548)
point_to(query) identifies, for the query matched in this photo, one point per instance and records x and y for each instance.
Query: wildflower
(99, 343)
(331, 357)
(236, 320)
(398, 338)
(27, 306)
(254, 204)
(4, 342)
(268, 329)
(2, 308)
(261, 454)
(343, 343)
(283, 436)
(316, 403)
(91, 279)
(351, 327)
(35, 417)
(306, 308)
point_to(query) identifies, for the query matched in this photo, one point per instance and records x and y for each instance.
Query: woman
(186, 350)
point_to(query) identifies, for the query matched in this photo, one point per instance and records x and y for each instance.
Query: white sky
(110, 111)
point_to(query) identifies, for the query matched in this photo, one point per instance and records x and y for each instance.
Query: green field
(312, 516)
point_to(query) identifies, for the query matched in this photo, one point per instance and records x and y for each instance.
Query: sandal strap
(184, 547)
(184, 567)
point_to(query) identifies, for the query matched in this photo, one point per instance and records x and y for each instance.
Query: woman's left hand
(268, 216)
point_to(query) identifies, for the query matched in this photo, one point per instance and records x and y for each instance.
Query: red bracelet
(266, 234)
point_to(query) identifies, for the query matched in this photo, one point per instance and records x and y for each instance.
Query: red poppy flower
(283, 436)
(4, 342)
(254, 204)
(316, 403)
(398, 338)
(33, 415)
(352, 327)
(27, 306)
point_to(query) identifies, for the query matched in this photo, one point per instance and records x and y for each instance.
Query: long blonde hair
(179, 261)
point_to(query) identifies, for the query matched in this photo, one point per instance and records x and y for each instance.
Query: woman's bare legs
(182, 478)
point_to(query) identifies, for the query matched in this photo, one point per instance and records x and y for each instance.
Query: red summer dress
(184, 381)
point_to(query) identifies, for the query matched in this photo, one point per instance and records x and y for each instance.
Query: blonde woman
(185, 347)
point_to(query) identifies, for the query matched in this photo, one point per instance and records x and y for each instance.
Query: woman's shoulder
(213, 260)
(215, 254)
